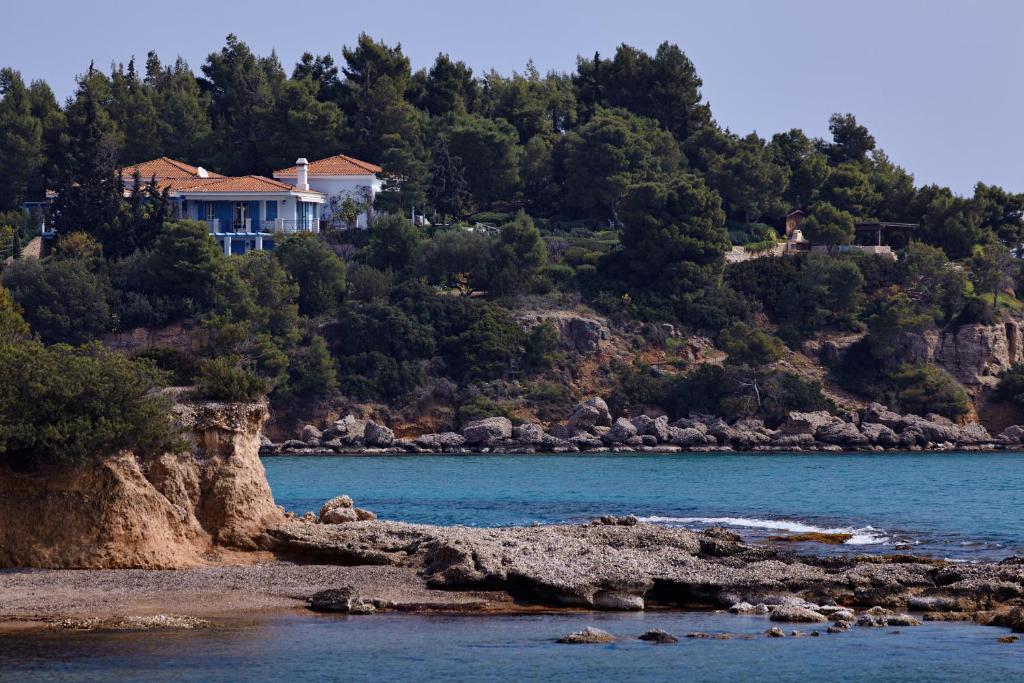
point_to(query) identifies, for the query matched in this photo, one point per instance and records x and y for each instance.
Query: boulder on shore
(442, 440)
(378, 435)
(622, 430)
(589, 414)
(529, 433)
(341, 509)
(487, 431)
(807, 423)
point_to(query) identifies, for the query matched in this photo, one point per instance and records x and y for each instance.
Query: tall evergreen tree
(90, 194)
(448, 191)
(242, 89)
(22, 156)
(664, 87)
(182, 108)
(46, 109)
(132, 109)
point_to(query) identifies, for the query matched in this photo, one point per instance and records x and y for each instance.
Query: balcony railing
(217, 226)
(278, 225)
(290, 225)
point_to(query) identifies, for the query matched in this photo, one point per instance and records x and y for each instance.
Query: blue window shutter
(254, 213)
(272, 210)
(224, 213)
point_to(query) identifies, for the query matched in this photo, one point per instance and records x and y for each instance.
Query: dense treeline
(561, 146)
(612, 186)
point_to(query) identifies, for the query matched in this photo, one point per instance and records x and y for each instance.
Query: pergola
(880, 233)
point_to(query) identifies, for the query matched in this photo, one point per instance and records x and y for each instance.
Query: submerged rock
(589, 635)
(657, 635)
(792, 613)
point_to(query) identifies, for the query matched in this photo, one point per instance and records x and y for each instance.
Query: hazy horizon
(933, 81)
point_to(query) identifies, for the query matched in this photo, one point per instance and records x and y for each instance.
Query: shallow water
(399, 647)
(962, 506)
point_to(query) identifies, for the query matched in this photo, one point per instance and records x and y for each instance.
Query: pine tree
(90, 193)
(21, 142)
(448, 189)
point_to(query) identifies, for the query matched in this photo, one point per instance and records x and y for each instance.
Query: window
(210, 211)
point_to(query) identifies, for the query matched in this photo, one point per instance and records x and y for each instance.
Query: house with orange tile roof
(242, 212)
(338, 177)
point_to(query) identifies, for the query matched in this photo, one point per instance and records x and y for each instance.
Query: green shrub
(488, 348)
(492, 217)
(367, 283)
(551, 400)
(318, 270)
(223, 379)
(542, 346)
(928, 389)
(61, 406)
(481, 407)
(63, 301)
(314, 374)
(1011, 386)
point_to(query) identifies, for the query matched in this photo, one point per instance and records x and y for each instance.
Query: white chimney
(302, 167)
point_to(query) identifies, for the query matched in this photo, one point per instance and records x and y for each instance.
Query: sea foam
(858, 536)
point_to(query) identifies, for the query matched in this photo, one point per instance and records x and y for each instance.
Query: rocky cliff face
(973, 354)
(165, 513)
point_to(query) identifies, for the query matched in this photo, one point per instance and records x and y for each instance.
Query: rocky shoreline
(197, 536)
(592, 429)
(368, 566)
(618, 563)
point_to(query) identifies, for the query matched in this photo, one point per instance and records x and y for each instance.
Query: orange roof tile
(165, 169)
(339, 164)
(246, 183)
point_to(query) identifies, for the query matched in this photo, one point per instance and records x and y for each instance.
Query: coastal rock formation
(974, 354)
(580, 334)
(631, 566)
(166, 512)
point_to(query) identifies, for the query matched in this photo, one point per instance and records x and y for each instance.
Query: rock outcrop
(628, 566)
(165, 512)
(974, 354)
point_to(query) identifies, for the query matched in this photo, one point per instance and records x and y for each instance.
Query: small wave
(863, 536)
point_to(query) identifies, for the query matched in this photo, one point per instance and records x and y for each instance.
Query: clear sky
(938, 82)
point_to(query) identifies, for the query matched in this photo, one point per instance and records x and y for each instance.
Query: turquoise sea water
(960, 506)
(400, 647)
(954, 505)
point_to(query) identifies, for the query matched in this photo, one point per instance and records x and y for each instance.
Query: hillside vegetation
(580, 225)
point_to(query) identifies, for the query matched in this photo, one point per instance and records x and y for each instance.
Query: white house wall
(345, 185)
